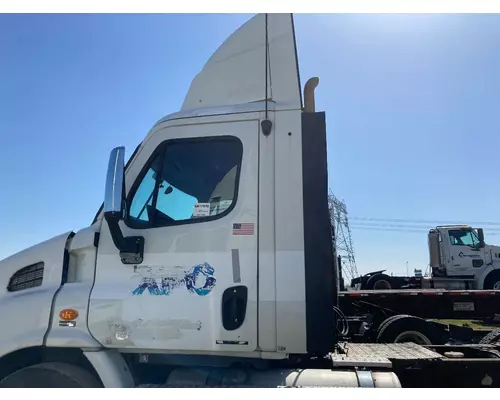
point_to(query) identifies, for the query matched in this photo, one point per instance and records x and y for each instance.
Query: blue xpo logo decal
(198, 280)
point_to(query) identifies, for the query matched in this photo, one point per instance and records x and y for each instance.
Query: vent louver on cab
(27, 277)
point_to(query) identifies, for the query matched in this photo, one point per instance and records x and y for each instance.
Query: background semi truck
(458, 300)
(425, 310)
(210, 261)
(459, 258)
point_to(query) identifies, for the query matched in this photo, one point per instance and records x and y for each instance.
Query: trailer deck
(426, 303)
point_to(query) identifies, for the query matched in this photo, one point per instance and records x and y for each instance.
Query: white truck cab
(211, 261)
(212, 248)
(458, 255)
(459, 259)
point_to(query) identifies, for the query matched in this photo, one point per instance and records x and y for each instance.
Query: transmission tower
(342, 238)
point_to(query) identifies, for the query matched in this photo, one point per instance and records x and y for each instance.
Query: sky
(411, 100)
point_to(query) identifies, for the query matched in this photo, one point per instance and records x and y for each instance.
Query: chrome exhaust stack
(309, 87)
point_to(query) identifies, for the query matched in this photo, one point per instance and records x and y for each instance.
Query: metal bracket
(365, 379)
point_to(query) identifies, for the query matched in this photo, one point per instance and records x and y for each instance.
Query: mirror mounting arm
(131, 247)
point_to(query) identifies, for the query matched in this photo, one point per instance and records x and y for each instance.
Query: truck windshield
(463, 237)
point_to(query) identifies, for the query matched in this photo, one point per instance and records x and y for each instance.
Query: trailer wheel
(387, 321)
(491, 338)
(51, 375)
(380, 282)
(407, 328)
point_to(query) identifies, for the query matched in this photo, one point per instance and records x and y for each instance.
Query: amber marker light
(68, 314)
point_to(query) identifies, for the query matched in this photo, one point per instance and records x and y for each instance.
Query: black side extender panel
(318, 246)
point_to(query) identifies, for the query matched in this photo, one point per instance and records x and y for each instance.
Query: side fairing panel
(26, 312)
(75, 293)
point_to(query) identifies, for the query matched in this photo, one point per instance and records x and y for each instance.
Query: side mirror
(131, 247)
(114, 193)
(480, 234)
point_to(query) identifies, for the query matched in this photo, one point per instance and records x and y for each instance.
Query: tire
(406, 328)
(492, 281)
(387, 321)
(491, 338)
(380, 282)
(51, 375)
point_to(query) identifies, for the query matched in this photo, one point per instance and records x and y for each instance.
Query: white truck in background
(459, 258)
(211, 261)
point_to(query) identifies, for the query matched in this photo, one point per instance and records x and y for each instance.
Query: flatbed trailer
(393, 316)
(378, 280)
(426, 303)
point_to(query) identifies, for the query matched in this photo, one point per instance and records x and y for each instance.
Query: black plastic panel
(320, 274)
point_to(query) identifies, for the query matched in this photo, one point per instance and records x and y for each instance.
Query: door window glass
(187, 180)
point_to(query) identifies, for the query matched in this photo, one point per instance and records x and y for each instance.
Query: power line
(381, 225)
(382, 228)
(407, 230)
(425, 221)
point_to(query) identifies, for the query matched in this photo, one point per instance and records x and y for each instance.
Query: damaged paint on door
(125, 333)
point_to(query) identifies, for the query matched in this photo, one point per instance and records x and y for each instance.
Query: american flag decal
(243, 229)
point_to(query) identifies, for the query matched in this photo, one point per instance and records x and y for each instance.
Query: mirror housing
(114, 193)
(480, 234)
(132, 247)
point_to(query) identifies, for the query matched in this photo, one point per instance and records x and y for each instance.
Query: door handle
(477, 263)
(234, 307)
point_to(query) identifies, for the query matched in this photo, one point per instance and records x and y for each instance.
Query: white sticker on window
(201, 210)
(220, 206)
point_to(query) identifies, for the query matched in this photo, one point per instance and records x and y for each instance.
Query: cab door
(193, 199)
(466, 257)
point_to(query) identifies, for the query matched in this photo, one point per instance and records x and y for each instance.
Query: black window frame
(161, 149)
